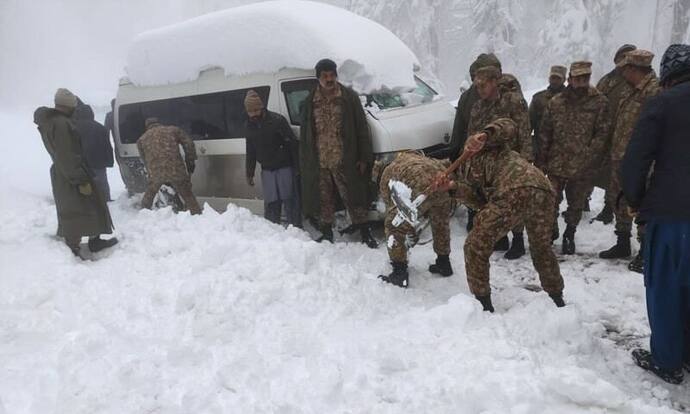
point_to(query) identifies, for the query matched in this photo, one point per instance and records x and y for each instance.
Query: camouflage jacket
(159, 148)
(628, 112)
(613, 86)
(573, 133)
(328, 115)
(417, 172)
(510, 104)
(497, 170)
(538, 105)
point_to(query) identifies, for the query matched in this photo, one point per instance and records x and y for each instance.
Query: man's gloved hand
(190, 167)
(85, 189)
(632, 212)
(250, 181)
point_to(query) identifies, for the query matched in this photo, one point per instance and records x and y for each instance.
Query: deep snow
(266, 37)
(225, 313)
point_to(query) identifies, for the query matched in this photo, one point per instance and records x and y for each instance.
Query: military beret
(559, 71)
(489, 72)
(580, 68)
(620, 53)
(638, 57)
(63, 97)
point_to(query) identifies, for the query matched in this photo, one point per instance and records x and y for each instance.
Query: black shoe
(98, 244)
(568, 240)
(517, 248)
(502, 245)
(557, 298)
(486, 303)
(620, 250)
(326, 234)
(398, 276)
(442, 266)
(637, 264)
(367, 238)
(605, 216)
(643, 359)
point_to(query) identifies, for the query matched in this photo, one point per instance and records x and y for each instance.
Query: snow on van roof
(266, 37)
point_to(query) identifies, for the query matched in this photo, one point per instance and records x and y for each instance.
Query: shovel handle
(454, 166)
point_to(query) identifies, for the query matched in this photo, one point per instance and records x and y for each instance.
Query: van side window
(295, 94)
(209, 116)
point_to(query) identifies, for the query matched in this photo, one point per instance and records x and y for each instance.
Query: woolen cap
(253, 102)
(581, 68)
(63, 97)
(675, 62)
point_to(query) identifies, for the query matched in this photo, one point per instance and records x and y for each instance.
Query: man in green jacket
(81, 208)
(336, 154)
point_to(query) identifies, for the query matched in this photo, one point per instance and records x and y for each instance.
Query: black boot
(470, 219)
(486, 303)
(637, 264)
(442, 266)
(557, 298)
(97, 244)
(398, 276)
(606, 214)
(643, 359)
(517, 249)
(367, 238)
(326, 233)
(620, 250)
(569, 240)
(555, 233)
(502, 244)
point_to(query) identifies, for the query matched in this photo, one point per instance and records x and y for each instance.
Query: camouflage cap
(580, 68)
(620, 53)
(484, 59)
(559, 71)
(150, 122)
(638, 57)
(488, 72)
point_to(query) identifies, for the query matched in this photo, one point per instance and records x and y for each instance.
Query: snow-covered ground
(227, 313)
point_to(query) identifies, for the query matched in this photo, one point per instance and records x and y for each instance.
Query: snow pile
(268, 36)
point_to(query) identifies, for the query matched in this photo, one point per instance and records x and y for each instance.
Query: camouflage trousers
(531, 206)
(576, 193)
(404, 236)
(331, 185)
(183, 188)
(620, 206)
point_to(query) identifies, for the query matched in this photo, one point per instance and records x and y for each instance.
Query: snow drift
(268, 36)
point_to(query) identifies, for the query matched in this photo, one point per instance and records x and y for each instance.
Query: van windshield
(422, 94)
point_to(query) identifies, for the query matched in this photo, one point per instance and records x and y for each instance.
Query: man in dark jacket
(662, 136)
(271, 142)
(96, 145)
(336, 154)
(81, 209)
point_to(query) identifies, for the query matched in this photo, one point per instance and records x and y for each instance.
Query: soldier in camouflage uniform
(462, 114)
(159, 148)
(539, 101)
(417, 172)
(507, 190)
(501, 97)
(572, 134)
(613, 86)
(636, 68)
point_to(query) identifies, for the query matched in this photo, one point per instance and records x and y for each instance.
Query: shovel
(408, 210)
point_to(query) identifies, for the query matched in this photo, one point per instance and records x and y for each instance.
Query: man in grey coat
(81, 208)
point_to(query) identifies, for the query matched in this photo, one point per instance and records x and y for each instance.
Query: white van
(210, 106)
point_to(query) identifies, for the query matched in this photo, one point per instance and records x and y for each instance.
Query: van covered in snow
(196, 74)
